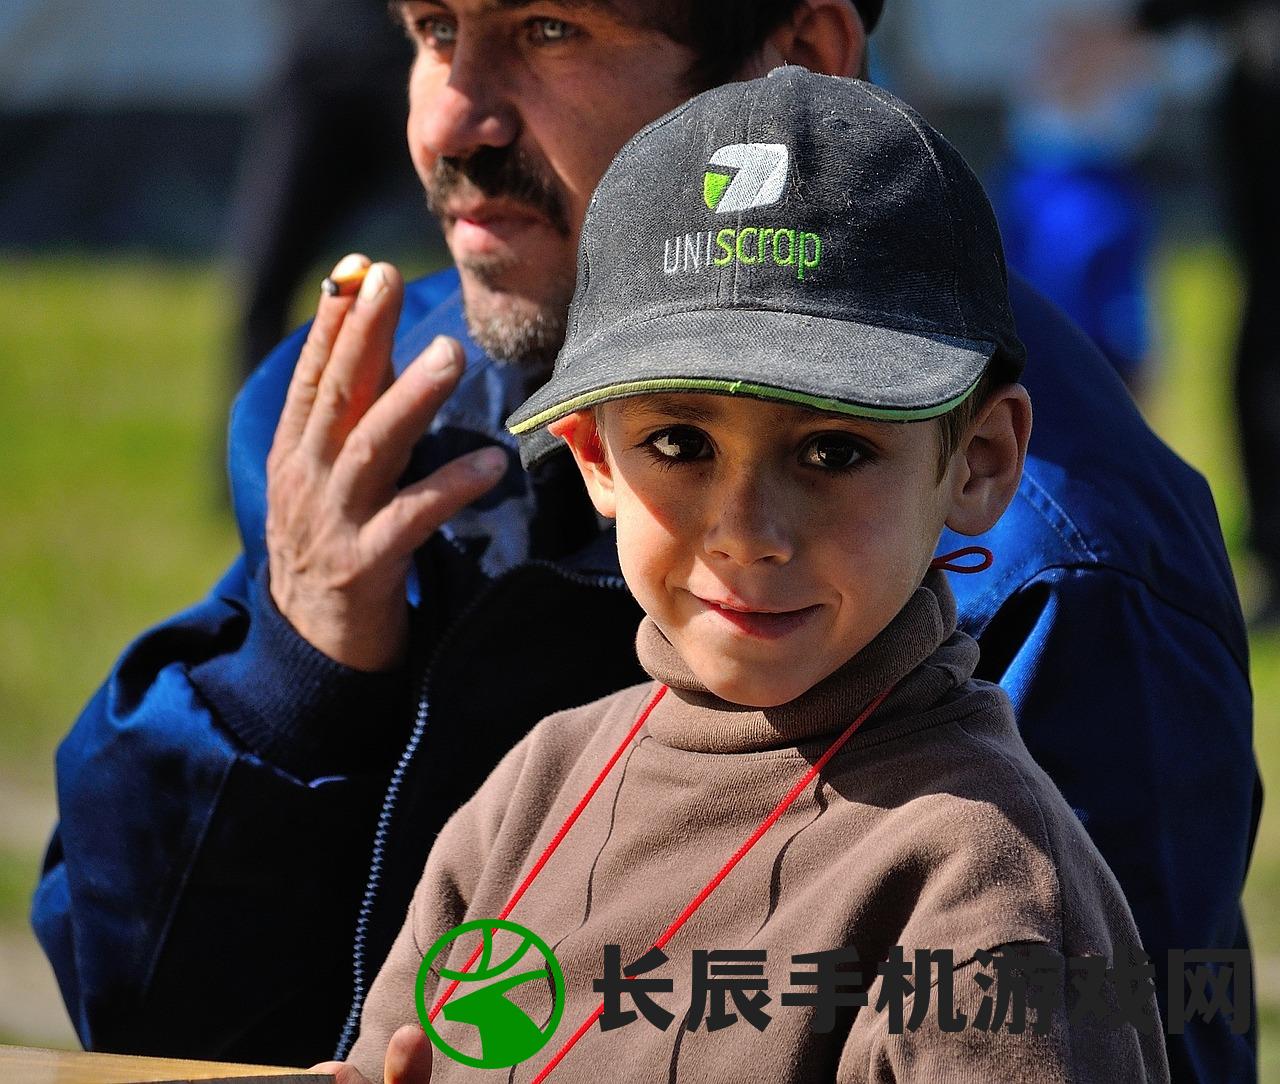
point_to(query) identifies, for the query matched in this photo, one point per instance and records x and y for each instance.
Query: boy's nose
(748, 525)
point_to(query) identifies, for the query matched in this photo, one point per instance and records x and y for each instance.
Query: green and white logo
(505, 1033)
(759, 178)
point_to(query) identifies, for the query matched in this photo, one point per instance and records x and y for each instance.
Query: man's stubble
(512, 327)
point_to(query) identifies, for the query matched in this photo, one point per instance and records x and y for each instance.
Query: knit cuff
(297, 708)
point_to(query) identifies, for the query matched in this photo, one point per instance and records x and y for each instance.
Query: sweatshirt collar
(924, 631)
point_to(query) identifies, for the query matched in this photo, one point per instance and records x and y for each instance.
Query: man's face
(770, 543)
(516, 108)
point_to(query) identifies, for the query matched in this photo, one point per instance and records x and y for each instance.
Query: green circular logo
(507, 1034)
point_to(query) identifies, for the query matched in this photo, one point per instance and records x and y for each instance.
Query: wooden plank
(26, 1065)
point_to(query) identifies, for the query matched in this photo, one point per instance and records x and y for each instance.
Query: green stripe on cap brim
(735, 387)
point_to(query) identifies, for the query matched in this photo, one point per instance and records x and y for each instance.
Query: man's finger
(359, 363)
(417, 512)
(408, 1058)
(330, 313)
(377, 450)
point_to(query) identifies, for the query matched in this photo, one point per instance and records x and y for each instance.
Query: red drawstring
(945, 561)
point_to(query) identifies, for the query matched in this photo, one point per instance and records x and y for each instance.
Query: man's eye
(679, 444)
(436, 31)
(832, 451)
(549, 30)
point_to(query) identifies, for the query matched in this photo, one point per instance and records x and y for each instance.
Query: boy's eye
(679, 444)
(832, 451)
(549, 30)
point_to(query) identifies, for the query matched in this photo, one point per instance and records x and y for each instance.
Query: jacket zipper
(360, 979)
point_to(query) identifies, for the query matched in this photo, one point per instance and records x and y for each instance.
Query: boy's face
(770, 543)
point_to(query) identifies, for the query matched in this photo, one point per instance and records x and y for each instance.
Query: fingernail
(346, 276)
(442, 356)
(489, 462)
(374, 283)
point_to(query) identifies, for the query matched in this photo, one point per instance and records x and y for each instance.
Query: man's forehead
(630, 11)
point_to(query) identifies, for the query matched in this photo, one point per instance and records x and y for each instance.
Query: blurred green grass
(114, 389)
(109, 518)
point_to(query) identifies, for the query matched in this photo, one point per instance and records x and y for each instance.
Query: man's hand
(340, 536)
(408, 1061)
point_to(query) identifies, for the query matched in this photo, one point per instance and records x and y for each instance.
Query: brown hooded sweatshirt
(931, 829)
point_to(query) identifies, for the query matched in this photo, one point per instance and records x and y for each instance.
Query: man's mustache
(497, 173)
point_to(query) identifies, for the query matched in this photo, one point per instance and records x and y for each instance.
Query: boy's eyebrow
(674, 406)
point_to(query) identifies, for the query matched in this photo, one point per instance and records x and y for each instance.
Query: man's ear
(987, 466)
(825, 36)
(580, 432)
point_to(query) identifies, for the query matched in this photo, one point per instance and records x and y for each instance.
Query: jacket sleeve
(199, 894)
(1142, 715)
(218, 797)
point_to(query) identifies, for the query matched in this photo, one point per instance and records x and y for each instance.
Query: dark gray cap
(800, 238)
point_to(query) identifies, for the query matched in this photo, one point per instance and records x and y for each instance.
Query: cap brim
(811, 361)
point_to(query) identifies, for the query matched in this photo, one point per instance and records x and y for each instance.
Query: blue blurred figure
(1073, 209)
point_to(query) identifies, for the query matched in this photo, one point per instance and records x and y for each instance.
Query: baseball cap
(802, 238)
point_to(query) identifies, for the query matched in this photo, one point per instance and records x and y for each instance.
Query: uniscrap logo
(474, 1000)
(760, 178)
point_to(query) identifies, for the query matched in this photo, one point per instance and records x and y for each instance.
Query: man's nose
(747, 524)
(473, 108)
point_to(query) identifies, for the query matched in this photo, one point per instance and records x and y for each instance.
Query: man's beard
(508, 326)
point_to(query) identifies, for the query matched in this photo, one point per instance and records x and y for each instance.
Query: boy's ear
(580, 432)
(987, 466)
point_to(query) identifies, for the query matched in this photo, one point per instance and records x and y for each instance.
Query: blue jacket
(243, 820)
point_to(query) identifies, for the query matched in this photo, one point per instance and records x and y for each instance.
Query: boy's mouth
(766, 624)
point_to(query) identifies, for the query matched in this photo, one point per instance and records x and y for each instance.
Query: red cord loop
(946, 561)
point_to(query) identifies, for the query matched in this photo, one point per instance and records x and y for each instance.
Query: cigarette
(346, 278)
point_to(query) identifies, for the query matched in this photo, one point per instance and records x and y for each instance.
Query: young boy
(773, 280)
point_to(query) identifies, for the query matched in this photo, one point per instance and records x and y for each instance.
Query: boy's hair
(952, 425)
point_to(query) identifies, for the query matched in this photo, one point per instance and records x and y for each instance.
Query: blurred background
(176, 178)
